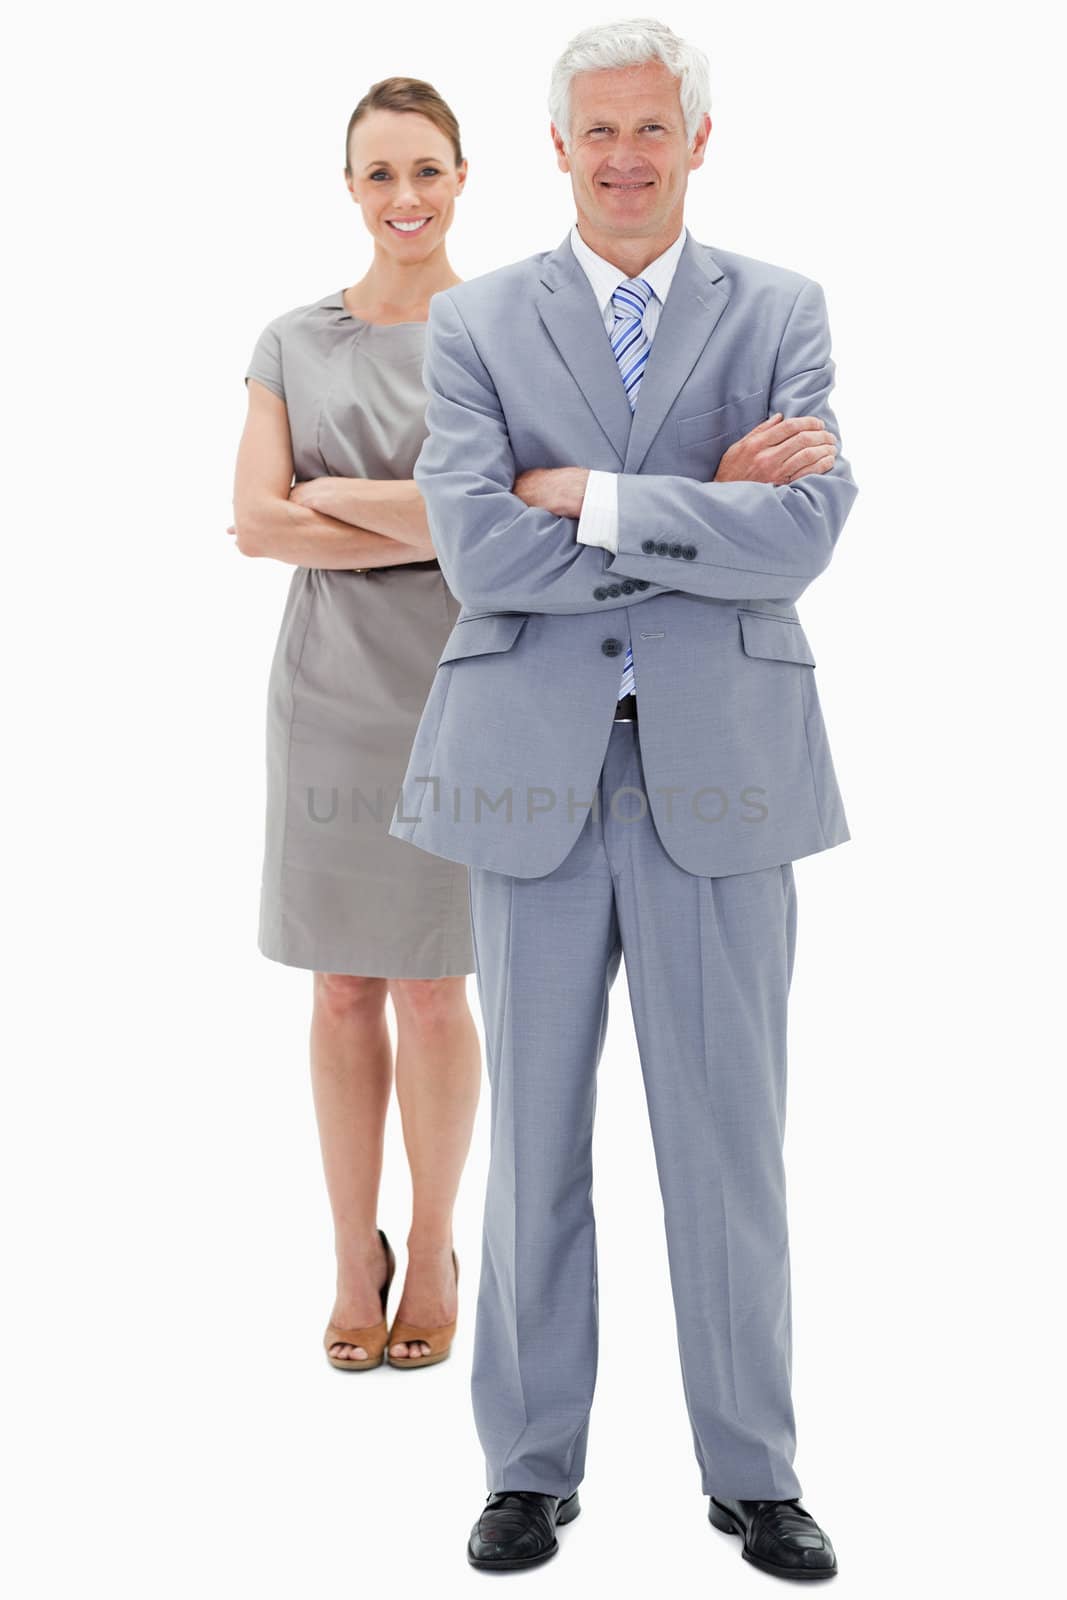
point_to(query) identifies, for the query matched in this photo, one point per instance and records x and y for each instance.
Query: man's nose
(626, 158)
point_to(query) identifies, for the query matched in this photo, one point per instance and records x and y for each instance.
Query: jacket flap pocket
(735, 416)
(774, 638)
(478, 636)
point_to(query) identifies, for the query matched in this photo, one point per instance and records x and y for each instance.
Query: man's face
(628, 157)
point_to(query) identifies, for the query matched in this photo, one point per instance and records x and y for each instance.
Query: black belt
(397, 566)
(626, 710)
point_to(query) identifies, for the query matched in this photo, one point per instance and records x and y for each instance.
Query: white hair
(631, 44)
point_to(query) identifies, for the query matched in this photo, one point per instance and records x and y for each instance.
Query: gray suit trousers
(708, 965)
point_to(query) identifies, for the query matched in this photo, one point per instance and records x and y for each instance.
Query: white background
(172, 1427)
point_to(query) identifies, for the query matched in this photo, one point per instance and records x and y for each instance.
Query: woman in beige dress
(335, 399)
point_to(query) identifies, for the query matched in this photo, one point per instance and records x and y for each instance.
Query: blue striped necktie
(630, 345)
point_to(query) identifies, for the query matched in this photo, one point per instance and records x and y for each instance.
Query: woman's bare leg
(438, 1080)
(351, 1077)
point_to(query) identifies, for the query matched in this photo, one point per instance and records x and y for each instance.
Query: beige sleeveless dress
(355, 657)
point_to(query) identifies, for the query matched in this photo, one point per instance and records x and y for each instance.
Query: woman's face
(403, 175)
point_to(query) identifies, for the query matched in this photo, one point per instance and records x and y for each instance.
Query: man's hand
(776, 451)
(560, 490)
(779, 450)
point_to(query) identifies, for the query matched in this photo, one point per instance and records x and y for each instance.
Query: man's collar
(605, 277)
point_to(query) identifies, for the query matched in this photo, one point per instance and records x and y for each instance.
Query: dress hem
(309, 964)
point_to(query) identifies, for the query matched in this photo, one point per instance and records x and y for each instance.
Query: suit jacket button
(648, 546)
(600, 594)
(611, 647)
(614, 589)
(627, 586)
(640, 583)
(689, 552)
(675, 550)
(661, 548)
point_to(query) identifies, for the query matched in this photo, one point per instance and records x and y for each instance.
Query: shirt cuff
(599, 521)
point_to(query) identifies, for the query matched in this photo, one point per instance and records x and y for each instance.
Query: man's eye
(657, 125)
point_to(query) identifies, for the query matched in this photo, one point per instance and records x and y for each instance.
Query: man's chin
(627, 219)
(627, 197)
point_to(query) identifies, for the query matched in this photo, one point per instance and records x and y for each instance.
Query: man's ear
(700, 143)
(560, 149)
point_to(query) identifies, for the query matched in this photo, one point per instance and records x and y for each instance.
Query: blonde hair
(407, 94)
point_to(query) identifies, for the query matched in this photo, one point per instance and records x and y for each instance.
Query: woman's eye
(430, 172)
(378, 175)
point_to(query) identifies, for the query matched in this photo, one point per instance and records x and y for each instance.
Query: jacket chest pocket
(724, 423)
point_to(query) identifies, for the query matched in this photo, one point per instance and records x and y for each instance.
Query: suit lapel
(695, 302)
(567, 307)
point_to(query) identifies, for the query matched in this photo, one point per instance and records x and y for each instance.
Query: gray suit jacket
(520, 373)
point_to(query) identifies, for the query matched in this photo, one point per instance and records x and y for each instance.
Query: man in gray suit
(631, 475)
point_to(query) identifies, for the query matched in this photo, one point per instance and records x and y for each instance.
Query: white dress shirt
(599, 521)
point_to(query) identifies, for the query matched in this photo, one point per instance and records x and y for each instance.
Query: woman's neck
(392, 292)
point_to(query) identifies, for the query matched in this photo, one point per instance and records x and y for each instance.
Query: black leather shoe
(779, 1536)
(518, 1529)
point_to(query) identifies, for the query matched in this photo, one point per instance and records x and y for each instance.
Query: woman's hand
(319, 494)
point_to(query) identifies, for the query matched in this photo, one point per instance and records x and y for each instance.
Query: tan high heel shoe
(374, 1339)
(438, 1339)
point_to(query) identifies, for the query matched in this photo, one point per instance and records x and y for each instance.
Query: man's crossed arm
(764, 528)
